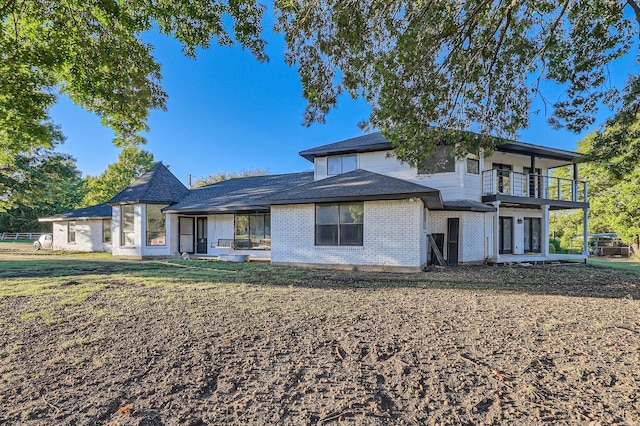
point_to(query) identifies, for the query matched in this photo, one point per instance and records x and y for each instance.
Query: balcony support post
(585, 233)
(496, 231)
(545, 230)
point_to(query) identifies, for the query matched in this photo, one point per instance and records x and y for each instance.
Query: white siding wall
(391, 236)
(88, 236)
(473, 233)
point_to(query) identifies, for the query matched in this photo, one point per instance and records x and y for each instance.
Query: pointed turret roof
(157, 186)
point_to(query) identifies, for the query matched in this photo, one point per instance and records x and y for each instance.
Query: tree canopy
(219, 177)
(38, 184)
(132, 163)
(614, 202)
(468, 65)
(92, 51)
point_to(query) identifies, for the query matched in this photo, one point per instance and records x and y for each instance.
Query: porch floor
(537, 257)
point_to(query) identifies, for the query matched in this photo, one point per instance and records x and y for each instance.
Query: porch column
(585, 232)
(574, 185)
(532, 178)
(496, 230)
(544, 240)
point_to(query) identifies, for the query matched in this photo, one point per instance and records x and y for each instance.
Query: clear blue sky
(228, 112)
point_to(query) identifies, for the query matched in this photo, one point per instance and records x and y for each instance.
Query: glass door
(506, 235)
(185, 229)
(201, 235)
(532, 235)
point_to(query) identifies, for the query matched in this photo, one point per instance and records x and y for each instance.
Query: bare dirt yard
(199, 343)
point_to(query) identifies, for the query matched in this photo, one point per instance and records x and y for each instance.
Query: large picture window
(127, 233)
(441, 161)
(253, 231)
(106, 230)
(71, 232)
(339, 224)
(341, 164)
(156, 225)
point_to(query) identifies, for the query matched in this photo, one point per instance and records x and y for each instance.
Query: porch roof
(237, 195)
(468, 205)
(100, 211)
(358, 185)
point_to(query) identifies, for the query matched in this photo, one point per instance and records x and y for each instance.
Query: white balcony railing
(507, 182)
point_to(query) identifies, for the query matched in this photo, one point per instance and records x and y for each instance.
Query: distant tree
(614, 201)
(218, 177)
(132, 163)
(37, 184)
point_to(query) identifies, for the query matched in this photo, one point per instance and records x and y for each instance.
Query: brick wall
(391, 236)
(88, 236)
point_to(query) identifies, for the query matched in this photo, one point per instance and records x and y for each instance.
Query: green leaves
(132, 163)
(473, 65)
(92, 51)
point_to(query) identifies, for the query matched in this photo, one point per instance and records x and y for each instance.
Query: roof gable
(157, 186)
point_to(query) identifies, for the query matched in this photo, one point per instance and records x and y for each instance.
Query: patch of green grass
(630, 265)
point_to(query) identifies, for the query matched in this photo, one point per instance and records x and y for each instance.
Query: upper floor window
(71, 232)
(441, 161)
(106, 230)
(473, 163)
(341, 164)
(156, 225)
(339, 224)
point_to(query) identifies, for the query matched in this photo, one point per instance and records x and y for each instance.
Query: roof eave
(431, 196)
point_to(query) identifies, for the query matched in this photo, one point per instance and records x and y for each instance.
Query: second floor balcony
(530, 188)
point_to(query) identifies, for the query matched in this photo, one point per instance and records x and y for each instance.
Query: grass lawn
(201, 342)
(632, 264)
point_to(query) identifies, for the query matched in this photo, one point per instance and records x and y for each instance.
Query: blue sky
(227, 112)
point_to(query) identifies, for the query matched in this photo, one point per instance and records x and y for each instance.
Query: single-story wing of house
(359, 207)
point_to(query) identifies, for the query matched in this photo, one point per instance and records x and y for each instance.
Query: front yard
(174, 343)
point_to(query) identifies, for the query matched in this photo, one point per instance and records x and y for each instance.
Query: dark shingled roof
(239, 194)
(376, 142)
(157, 186)
(366, 143)
(101, 211)
(468, 205)
(358, 185)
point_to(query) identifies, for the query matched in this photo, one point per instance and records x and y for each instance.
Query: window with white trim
(156, 225)
(441, 161)
(339, 224)
(71, 232)
(127, 232)
(341, 164)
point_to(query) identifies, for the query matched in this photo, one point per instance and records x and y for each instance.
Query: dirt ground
(469, 345)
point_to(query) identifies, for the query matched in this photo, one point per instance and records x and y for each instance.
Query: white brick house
(360, 207)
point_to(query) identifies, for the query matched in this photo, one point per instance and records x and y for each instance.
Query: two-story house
(360, 207)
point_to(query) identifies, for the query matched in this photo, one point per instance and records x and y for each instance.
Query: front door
(506, 235)
(185, 229)
(532, 234)
(201, 235)
(453, 232)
